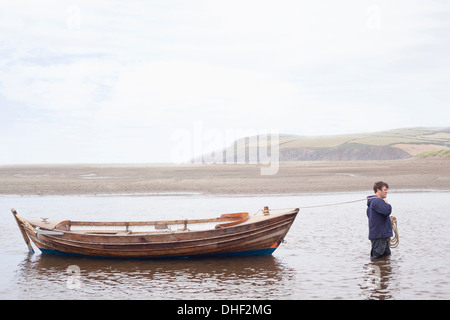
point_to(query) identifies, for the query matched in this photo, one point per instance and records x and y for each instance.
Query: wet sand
(291, 178)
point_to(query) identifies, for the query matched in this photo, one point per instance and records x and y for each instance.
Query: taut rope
(316, 206)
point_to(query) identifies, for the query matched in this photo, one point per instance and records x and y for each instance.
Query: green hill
(384, 145)
(442, 153)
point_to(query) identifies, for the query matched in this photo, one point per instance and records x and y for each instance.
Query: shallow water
(326, 254)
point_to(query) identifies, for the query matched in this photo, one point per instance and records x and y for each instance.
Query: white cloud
(105, 74)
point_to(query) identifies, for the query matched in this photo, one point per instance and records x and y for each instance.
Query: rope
(395, 240)
(333, 204)
(316, 206)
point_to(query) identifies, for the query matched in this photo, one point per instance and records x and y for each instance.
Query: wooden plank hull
(255, 235)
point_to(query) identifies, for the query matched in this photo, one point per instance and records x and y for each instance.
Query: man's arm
(381, 207)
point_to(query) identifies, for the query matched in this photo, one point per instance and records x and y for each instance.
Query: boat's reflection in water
(67, 277)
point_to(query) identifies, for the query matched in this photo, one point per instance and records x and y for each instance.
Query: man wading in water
(380, 227)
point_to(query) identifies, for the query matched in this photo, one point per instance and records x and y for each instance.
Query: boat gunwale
(126, 233)
(223, 218)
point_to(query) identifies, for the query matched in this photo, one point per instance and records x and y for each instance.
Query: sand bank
(292, 178)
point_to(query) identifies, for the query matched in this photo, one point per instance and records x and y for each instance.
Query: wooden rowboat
(230, 234)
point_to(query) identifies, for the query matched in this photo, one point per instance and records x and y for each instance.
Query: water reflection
(377, 278)
(65, 277)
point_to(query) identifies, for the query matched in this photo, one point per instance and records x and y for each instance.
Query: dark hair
(378, 185)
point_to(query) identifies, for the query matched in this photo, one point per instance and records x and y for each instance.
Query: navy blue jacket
(378, 213)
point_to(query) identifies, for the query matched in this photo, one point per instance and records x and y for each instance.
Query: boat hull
(259, 252)
(256, 236)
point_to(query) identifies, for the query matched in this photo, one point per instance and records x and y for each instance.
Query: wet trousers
(380, 248)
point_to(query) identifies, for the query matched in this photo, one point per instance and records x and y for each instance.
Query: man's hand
(385, 200)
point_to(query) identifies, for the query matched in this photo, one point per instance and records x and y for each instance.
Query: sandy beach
(292, 178)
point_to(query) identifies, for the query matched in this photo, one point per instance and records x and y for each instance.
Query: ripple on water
(326, 254)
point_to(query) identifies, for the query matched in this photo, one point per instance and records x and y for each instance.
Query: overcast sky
(129, 81)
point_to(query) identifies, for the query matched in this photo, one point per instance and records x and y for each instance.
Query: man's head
(381, 189)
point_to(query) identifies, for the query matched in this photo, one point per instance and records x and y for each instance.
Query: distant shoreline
(234, 195)
(305, 177)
